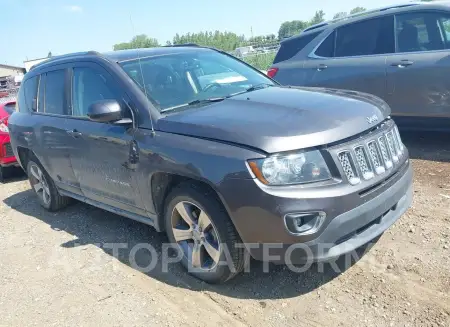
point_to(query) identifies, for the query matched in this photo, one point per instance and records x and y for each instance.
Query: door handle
(74, 133)
(321, 67)
(402, 64)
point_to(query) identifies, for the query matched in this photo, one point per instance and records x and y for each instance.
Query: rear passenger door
(290, 62)
(418, 73)
(353, 56)
(54, 145)
(102, 149)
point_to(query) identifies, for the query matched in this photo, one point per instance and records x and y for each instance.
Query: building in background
(10, 79)
(7, 70)
(30, 63)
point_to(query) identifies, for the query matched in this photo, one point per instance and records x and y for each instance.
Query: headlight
(3, 128)
(296, 168)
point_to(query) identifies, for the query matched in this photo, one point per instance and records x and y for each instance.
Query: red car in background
(7, 158)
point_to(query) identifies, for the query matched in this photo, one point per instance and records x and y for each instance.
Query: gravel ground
(56, 270)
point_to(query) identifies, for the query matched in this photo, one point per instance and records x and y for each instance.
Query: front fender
(203, 160)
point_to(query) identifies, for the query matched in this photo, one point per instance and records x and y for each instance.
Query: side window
(421, 31)
(369, 37)
(291, 47)
(326, 49)
(89, 86)
(27, 95)
(54, 93)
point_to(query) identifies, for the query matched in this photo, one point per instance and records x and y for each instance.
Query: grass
(261, 61)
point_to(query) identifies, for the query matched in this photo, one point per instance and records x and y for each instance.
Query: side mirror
(105, 111)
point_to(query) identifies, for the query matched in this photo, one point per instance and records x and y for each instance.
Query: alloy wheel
(39, 184)
(196, 235)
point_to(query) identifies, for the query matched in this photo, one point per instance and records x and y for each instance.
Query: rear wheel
(199, 227)
(3, 174)
(44, 187)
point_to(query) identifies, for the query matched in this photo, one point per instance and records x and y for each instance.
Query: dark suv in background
(399, 53)
(198, 144)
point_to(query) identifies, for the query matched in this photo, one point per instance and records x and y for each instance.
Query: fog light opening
(303, 223)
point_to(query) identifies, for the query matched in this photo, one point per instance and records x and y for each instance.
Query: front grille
(375, 157)
(363, 162)
(8, 150)
(391, 146)
(371, 156)
(349, 167)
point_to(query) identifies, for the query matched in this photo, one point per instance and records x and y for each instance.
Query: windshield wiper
(252, 88)
(194, 102)
(258, 86)
(199, 101)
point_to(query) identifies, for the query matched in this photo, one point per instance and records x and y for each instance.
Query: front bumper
(352, 219)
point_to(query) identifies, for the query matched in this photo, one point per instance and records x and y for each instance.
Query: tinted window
(326, 49)
(54, 93)
(369, 37)
(422, 32)
(27, 94)
(89, 86)
(291, 47)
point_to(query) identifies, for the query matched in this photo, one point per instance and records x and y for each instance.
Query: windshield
(176, 80)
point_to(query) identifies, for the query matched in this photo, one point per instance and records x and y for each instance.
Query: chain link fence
(259, 55)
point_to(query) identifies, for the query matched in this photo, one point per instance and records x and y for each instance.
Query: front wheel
(44, 187)
(198, 225)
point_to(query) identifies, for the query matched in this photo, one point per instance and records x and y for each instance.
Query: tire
(3, 174)
(54, 201)
(226, 235)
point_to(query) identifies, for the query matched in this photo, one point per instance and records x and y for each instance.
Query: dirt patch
(56, 270)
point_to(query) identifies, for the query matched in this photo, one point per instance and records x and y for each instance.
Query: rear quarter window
(290, 48)
(27, 95)
(326, 49)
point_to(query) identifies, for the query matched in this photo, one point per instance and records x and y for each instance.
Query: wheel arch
(24, 155)
(162, 183)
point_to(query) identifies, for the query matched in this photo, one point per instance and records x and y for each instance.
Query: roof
(12, 67)
(132, 54)
(125, 55)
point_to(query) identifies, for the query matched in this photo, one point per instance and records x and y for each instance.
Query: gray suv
(200, 145)
(399, 53)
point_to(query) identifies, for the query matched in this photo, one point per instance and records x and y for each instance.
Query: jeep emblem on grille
(372, 119)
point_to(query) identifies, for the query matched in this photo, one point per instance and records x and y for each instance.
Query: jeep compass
(196, 143)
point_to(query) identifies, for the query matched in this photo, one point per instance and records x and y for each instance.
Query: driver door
(102, 149)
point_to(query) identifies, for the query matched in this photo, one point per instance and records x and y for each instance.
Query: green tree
(357, 10)
(139, 41)
(318, 17)
(288, 29)
(339, 15)
(226, 41)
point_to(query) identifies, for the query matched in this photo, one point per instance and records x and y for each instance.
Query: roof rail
(313, 27)
(362, 13)
(64, 56)
(183, 45)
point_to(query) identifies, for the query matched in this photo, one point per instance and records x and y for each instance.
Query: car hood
(276, 119)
